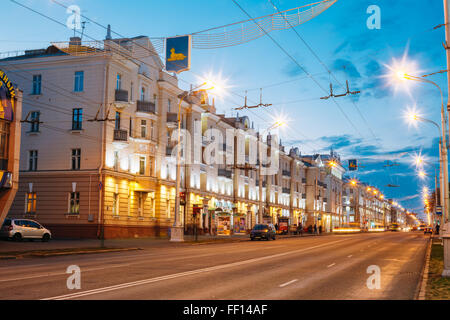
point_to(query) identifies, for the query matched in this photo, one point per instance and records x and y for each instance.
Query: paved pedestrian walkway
(144, 243)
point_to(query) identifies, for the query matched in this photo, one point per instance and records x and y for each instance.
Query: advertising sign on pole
(178, 54)
(353, 165)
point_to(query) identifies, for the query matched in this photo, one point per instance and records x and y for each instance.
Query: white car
(18, 229)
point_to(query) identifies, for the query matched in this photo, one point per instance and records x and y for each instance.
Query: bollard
(446, 241)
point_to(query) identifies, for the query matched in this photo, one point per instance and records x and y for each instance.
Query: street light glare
(399, 71)
(215, 84)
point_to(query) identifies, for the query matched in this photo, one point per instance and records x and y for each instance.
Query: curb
(422, 286)
(67, 253)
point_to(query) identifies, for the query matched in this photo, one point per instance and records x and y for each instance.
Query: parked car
(263, 231)
(18, 229)
(428, 230)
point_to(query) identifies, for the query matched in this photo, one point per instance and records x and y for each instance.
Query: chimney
(108, 33)
(75, 41)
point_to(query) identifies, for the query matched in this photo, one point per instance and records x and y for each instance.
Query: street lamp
(277, 124)
(177, 231)
(402, 76)
(442, 161)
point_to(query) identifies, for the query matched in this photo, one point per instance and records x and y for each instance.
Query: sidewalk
(141, 243)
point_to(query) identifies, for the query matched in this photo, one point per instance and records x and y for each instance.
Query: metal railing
(146, 106)
(121, 95)
(120, 135)
(224, 173)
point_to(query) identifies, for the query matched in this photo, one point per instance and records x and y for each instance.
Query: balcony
(172, 120)
(121, 96)
(224, 173)
(120, 135)
(146, 106)
(286, 173)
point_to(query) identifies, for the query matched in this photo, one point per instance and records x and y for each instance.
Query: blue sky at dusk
(339, 37)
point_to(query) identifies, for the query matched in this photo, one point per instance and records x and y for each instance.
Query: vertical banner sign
(7, 95)
(178, 54)
(353, 165)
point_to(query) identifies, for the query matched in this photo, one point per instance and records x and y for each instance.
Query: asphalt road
(325, 267)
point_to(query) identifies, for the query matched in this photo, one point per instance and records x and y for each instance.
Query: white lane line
(331, 265)
(183, 274)
(350, 256)
(61, 273)
(288, 283)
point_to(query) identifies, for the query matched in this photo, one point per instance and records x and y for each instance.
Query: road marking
(61, 273)
(350, 256)
(288, 283)
(182, 274)
(331, 265)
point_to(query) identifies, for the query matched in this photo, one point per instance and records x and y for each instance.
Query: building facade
(98, 154)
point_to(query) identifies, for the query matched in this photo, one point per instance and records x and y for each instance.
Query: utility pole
(446, 233)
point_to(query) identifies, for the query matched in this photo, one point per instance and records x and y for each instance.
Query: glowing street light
(177, 231)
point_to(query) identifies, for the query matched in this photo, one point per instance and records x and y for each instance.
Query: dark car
(428, 230)
(263, 231)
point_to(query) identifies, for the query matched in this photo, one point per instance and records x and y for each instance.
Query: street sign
(353, 165)
(439, 210)
(178, 54)
(7, 97)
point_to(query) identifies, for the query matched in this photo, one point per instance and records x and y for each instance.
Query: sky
(337, 44)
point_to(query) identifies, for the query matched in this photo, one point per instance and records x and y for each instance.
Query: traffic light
(182, 198)
(196, 211)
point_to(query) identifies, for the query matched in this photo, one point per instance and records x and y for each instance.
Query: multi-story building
(10, 135)
(365, 207)
(97, 156)
(324, 191)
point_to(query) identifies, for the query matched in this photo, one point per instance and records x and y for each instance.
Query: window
(79, 81)
(115, 206)
(117, 127)
(155, 98)
(143, 128)
(37, 84)
(4, 148)
(74, 203)
(119, 82)
(35, 116)
(77, 119)
(152, 130)
(32, 165)
(141, 165)
(131, 127)
(142, 94)
(140, 204)
(131, 91)
(116, 160)
(76, 159)
(169, 105)
(30, 203)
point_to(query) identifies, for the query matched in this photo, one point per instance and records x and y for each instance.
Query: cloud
(347, 67)
(409, 197)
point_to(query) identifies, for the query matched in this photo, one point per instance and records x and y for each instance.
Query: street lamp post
(177, 231)
(422, 174)
(443, 166)
(443, 144)
(277, 124)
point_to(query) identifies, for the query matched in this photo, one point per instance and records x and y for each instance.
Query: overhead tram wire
(300, 66)
(326, 68)
(62, 24)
